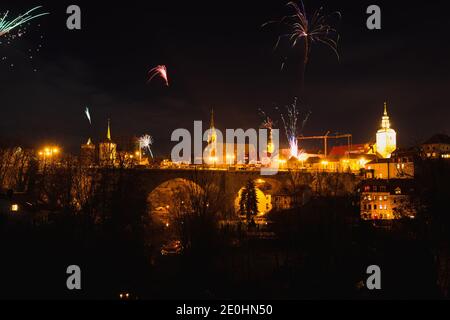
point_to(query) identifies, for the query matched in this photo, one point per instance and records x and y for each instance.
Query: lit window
(15, 208)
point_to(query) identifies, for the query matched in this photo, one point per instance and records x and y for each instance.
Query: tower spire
(108, 133)
(212, 136)
(386, 137)
(385, 122)
(212, 119)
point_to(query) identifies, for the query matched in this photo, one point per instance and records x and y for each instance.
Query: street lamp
(49, 152)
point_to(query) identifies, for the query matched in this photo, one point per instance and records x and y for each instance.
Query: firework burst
(6, 26)
(291, 122)
(145, 143)
(268, 122)
(315, 29)
(159, 71)
(13, 29)
(88, 115)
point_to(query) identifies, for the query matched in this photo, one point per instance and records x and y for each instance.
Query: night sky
(218, 56)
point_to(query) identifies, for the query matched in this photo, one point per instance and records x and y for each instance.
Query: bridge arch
(266, 189)
(171, 198)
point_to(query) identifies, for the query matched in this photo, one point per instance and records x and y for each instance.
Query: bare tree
(16, 165)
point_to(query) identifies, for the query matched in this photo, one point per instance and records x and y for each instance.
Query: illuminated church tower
(88, 153)
(386, 137)
(212, 142)
(107, 150)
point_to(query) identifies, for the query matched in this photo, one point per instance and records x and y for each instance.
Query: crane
(327, 136)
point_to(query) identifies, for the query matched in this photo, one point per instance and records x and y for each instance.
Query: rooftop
(439, 139)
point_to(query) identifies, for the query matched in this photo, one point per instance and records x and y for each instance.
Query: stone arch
(171, 198)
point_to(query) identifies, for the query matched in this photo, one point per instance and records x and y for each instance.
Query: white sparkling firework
(88, 115)
(6, 26)
(145, 143)
(11, 30)
(291, 121)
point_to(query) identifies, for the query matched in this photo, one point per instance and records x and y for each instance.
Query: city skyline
(228, 65)
(252, 152)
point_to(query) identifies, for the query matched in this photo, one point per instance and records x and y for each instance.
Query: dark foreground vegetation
(317, 250)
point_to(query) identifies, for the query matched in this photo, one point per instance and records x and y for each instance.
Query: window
(370, 207)
(398, 191)
(374, 207)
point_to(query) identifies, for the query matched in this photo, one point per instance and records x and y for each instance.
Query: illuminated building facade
(107, 150)
(386, 137)
(387, 199)
(398, 167)
(438, 146)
